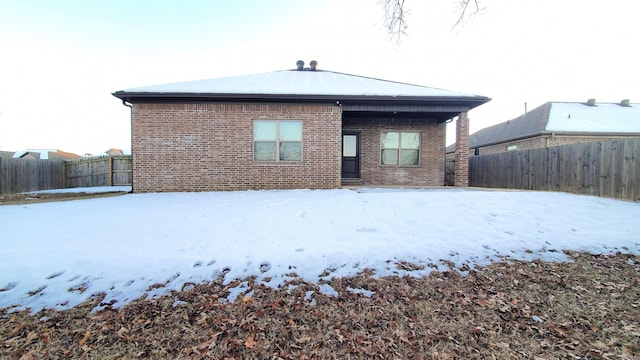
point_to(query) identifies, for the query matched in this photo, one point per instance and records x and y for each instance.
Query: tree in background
(395, 12)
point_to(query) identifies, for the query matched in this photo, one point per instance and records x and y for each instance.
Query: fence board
(121, 171)
(633, 174)
(102, 171)
(607, 169)
(24, 175)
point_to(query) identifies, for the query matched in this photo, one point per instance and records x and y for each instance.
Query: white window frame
(277, 140)
(400, 148)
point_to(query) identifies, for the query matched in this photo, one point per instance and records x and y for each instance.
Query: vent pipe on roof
(313, 65)
(300, 65)
(625, 103)
(591, 102)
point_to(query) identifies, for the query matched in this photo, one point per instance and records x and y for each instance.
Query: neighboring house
(114, 152)
(300, 128)
(559, 123)
(45, 154)
(111, 152)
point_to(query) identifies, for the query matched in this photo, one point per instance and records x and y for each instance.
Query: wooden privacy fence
(24, 175)
(607, 169)
(102, 171)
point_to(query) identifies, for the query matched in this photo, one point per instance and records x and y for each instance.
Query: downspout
(130, 106)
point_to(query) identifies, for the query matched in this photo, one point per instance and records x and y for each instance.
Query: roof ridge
(370, 78)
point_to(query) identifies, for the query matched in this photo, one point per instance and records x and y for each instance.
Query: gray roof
(563, 118)
(354, 93)
(45, 154)
(296, 82)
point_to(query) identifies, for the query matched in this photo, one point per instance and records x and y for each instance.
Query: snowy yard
(61, 253)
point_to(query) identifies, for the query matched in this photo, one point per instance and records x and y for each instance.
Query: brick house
(299, 128)
(558, 123)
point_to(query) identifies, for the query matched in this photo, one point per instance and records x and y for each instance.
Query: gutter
(132, 97)
(130, 106)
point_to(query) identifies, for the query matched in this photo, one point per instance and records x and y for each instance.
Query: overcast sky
(61, 60)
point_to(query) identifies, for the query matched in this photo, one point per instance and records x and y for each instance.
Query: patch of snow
(367, 293)
(177, 302)
(148, 244)
(536, 318)
(327, 289)
(236, 291)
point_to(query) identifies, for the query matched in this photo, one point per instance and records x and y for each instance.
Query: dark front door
(350, 155)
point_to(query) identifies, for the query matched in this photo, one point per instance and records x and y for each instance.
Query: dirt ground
(15, 199)
(586, 308)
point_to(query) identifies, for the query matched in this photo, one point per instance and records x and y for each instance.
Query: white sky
(61, 60)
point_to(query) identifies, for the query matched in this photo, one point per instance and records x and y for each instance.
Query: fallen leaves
(587, 308)
(251, 341)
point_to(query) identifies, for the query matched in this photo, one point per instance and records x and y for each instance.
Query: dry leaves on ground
(26, 198)
(588, 308)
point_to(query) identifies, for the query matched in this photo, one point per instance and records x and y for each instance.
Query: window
(400, 148)
(277, 140)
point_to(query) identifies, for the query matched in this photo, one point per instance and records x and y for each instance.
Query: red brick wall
(461, 164)
(430, 172)
(544, 141)
(209, 147)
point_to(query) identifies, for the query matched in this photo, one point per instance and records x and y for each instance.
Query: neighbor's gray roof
(295, 83)
(563, 117)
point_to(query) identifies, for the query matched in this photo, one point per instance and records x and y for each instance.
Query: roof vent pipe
(591, 102)
(313, 64)
(300, 65)
(625, 103)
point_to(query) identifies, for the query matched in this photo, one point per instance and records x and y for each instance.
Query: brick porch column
(461, 166)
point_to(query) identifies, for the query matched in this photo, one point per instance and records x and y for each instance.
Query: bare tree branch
(395, 15)
(395, 18)
(463, 10)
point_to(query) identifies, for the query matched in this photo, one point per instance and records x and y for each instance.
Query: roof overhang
(441, 108)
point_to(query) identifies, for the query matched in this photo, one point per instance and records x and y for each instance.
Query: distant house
(111, 152)
(45, 154)
(559, 123)
(114, 152)
(299, 128)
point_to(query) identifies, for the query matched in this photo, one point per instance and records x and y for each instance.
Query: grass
(586, 308)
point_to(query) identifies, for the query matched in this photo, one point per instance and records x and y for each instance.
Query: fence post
(110, 170)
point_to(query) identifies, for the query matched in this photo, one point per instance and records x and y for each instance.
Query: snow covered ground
(60, 253)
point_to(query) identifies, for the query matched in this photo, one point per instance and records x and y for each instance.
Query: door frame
(357, 158)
